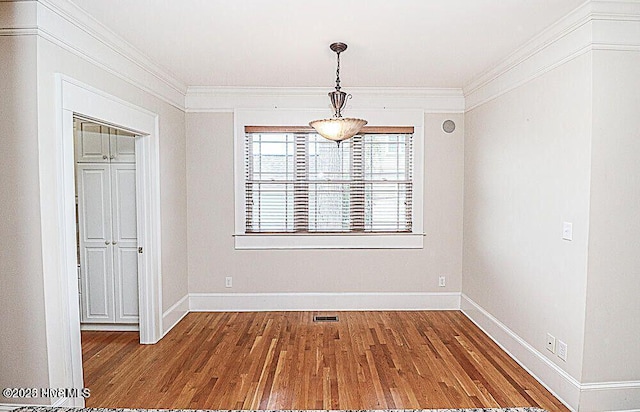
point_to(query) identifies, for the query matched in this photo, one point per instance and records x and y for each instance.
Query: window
(299, 191)
(298, 182)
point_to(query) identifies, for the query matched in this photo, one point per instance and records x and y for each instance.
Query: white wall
(562, 147)
(612, 331)
(23, 352)
(211, 211)
(54, 59)
(33, 353)
(527, 169)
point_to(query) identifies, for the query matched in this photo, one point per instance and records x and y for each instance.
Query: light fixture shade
(338, 128)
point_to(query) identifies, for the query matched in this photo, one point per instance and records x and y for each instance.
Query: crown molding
(595, 25)
(63, 23)
(224, 99)
(66, 25)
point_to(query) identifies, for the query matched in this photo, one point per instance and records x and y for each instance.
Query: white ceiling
(401, 43)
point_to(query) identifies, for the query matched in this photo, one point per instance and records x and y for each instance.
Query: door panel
(91, 143)
(123, 195)
(96, 257)
(94, 203)
(122, 147)
(126, 288)
(97, 281)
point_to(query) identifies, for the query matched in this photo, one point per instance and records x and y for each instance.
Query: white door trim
(74, 97)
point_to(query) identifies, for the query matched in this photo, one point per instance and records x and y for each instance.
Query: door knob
(105, 157)
(112, 157)
(114, 242)
(106, 242)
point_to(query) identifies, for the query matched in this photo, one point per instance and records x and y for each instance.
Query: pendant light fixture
(338, 128)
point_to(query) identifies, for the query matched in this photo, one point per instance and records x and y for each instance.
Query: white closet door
(122, 147)
(125, 242)
(92, 143)
(96, 252)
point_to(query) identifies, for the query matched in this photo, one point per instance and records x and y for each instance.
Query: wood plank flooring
(283, 360)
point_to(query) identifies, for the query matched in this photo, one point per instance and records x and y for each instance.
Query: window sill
(330, 241)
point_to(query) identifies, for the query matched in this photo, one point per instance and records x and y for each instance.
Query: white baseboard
(113, 327)
(588, 397)
(610, 396)
(174, 314)
(59, 403)
(246, 302)
(63, 403)
(560, 383)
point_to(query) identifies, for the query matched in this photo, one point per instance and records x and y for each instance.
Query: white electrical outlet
(562, 350)
(551, 343)
(442, 281)
(228, 282)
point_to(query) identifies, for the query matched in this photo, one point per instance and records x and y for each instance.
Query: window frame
(366, 240)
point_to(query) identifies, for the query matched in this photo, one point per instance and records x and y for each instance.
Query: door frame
(76, 98)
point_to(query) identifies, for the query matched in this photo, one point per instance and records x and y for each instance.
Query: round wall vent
(448, 126)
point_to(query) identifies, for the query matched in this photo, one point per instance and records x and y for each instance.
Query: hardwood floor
(283, 360)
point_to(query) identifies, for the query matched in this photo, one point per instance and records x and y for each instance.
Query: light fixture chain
(338, 73)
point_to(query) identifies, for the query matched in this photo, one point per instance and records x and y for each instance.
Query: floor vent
(325, 318)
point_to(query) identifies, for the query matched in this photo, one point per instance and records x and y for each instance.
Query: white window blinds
(298, 182)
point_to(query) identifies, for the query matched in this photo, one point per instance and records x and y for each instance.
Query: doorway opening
(106, 226)
(78, 100)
